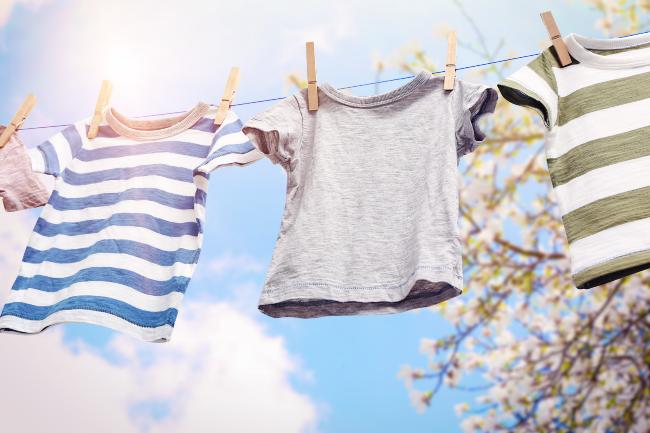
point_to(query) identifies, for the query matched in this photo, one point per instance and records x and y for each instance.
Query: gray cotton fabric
(370, 219)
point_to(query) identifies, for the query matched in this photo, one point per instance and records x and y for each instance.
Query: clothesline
(121, 233)
(260, 101)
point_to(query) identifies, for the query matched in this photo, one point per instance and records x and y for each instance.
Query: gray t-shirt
(370, 219)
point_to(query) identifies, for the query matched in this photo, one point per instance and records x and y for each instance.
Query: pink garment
(20, 187)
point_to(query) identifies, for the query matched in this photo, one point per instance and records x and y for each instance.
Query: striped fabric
(118, 241)
(597, 111)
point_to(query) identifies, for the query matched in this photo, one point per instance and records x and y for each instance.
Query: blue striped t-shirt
(120, 237)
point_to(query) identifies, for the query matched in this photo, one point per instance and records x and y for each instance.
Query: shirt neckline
(579, 47)
(154, 129)
(375, 100)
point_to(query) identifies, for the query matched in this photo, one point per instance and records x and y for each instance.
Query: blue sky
(164, 56)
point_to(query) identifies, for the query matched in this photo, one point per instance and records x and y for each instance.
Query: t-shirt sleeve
(474, 102)
(230, 146)
(54, 155)
(277, 132)
(534, 86)
(20, 187)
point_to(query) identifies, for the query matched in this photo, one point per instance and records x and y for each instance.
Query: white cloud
(220, 372)
(7, 6)
(237, 264)
(332, 25)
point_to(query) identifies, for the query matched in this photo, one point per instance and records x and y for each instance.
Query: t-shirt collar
(154, 129)
(580, 46)
(375, 100)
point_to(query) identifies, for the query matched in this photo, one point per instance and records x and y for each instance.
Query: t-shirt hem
(483, 102)
(272, 142)
(428, 285)
(517, 94)
(15, 324)
(36, 200)
(612, 269)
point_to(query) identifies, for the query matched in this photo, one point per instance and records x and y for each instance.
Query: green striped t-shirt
(597, 111)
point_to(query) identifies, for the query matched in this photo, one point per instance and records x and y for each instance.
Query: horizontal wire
(372, 83)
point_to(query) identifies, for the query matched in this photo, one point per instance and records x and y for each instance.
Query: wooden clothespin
(18, 119)
(102, 102)
(450, 64)
(312, 88)
(556, 38)
(228, 96)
